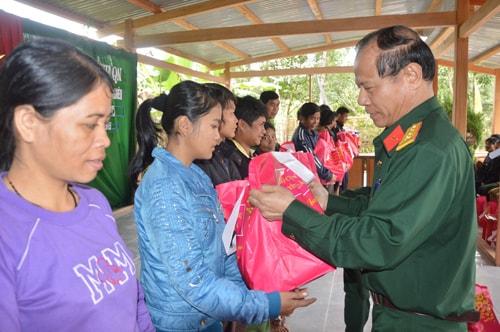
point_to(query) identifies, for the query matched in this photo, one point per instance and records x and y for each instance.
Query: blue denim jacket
(189, 282)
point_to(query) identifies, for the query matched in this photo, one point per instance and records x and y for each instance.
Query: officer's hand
(272, 200)
(295, 299)
(319, 192)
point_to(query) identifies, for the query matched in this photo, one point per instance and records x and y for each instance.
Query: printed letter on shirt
(102, 274)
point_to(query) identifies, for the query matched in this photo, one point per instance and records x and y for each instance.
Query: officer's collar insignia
(393, 138)
(409, 136)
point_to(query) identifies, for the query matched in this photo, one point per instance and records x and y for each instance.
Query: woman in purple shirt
(63, 265)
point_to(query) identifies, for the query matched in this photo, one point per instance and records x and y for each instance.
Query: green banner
(122, 66)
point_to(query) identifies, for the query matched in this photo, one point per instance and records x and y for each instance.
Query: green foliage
(479, 103)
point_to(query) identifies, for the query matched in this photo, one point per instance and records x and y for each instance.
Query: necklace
(18, 194)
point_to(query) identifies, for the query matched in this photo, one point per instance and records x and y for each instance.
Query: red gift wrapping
(287, 146)
(267, 259)
(330, 158)
(349, 142)
(488, 220)
(488, 322)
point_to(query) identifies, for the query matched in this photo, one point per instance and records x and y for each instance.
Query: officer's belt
(469, 316)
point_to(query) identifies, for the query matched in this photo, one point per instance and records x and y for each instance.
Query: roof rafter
(489, 9)
(255, 20)
(442, 42)
(433, 6)
(190, 27)
(147, 5)
(481, 16)
(486, 54)
(182, 12)
(313, 4)
(444, 46)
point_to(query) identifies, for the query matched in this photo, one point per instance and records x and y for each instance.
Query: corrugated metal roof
(205, 15)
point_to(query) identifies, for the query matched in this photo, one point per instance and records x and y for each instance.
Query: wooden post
(496, 105)
(435, 81)
(459, 115)
(310, 88)
(129, 35)
(227, 74)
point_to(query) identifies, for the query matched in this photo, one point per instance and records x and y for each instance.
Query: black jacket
(219, 168)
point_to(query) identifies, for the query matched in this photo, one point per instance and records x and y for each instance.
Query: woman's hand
(295, 299)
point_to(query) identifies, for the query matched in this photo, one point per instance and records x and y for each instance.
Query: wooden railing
(361, 172)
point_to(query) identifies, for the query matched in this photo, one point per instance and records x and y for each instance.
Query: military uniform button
(203, 323)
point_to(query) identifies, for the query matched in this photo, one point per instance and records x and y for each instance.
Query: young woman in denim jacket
(190, 284)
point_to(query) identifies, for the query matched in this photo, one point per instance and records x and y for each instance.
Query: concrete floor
(326, 314)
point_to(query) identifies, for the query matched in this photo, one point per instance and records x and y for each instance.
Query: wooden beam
(334, 46)
(378, 8)
(297, 28)
(442, 37)
(496, 117)
(444, 46)
(128, 38)
(147, 5)
(188, 26)
(477, 2)
(293, 71)
(471, 67)
(486, 54)
(250, 16)
(434, 6)
(486, 251)
(481, 16)
(227, 75)
(182, 12)
(187, 56)
(178, 69)
(459, 113)
(313, 4)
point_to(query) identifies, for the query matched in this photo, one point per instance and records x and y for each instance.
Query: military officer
(414, 233)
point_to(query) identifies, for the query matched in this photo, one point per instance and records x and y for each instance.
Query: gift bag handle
(287, 159)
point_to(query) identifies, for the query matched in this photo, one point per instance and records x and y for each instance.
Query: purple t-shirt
(66, 271)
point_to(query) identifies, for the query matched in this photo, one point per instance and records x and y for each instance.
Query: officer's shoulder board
(409, 136)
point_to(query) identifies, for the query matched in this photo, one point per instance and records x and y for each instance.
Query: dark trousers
(356, 301)
(345, 180)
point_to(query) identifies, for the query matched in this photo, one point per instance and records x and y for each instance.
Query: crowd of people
(63, 265)
(488, 170)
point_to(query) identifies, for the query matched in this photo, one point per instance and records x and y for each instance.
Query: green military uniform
(415, 234)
